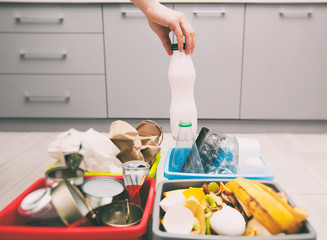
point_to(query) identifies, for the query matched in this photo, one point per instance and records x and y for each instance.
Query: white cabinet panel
(217, 57)
(52, 53)
(136, 65)
(285, 57)
(53, 96)
(54, 18)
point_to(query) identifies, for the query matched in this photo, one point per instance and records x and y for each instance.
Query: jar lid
(174, 46)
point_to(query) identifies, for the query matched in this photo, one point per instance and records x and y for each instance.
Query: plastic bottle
(181, 74)
(186, 156)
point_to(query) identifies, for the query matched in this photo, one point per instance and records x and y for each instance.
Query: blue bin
(169, 172)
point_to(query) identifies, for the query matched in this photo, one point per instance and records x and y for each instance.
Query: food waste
(240, 207)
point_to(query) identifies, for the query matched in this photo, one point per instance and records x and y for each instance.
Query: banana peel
(299, 213)
(267, 206)
(198, 213)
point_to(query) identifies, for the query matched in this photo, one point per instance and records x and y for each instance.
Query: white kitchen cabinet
(284, 65)
(53, 96)
(52, 61)
(217, 57)
(54, 18)
(136, 65)
(52, 53)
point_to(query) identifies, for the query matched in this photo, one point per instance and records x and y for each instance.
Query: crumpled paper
(98, 150)
(100, 153)
(66, 143)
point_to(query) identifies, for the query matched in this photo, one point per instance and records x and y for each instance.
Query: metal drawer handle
(31, 55)
(296, 14)
(40, 98)
(135, 13)
(20, 19)
(209, 12)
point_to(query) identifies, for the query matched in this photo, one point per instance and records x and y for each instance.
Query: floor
(299, 162)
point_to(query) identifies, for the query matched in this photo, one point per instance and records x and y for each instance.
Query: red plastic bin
(12, 226)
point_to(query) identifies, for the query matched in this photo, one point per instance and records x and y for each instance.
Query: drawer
(52, 53)
(51, 96)
(50, 18)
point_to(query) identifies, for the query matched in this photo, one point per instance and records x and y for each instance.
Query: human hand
(163, 20)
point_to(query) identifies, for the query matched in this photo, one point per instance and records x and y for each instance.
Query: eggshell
(177, 199)
(228, 221)
(178, 220)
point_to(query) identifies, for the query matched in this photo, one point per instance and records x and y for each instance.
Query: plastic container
(170, 173)
(186, 156)
(12, 225)
(181, 75)
(307, 232)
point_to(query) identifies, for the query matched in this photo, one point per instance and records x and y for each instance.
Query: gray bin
(307, 232)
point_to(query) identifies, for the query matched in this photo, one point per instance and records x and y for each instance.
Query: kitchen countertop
(166, 1)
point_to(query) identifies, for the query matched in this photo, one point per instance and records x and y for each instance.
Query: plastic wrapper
(218, 152)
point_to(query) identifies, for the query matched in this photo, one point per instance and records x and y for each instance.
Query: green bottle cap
(185, 124)
(174, 46)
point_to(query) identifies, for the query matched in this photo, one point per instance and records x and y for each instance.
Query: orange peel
(198, 193)
(225, 189)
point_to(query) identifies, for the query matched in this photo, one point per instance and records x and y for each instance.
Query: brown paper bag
(141, 143)
(150, 133)
(127, 139)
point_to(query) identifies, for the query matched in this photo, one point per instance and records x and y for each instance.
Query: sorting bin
(13, 227)
(266, 174)
(307, 232)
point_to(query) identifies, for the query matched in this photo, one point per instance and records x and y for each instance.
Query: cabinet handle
(25, 55)
(295, 14)
(209, 12)
(135, 13)
(20, 19)
(40, 98)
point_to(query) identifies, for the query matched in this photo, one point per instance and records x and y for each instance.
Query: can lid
(35, 201)
(185, 124)
(174, 46)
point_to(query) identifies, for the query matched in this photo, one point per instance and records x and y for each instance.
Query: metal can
(37, 206)
(100, 191)
(58, 174)
(71, 205)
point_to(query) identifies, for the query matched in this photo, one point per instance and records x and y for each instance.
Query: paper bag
(150, 133)
(141, 143)
(127, 139)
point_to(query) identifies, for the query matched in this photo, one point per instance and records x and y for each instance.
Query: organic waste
(237, 207)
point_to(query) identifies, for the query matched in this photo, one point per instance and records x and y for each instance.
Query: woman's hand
(163, 20)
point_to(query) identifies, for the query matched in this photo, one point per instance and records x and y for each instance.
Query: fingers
(167, 44)
(189, 38)
(182, 29)
(180, 37)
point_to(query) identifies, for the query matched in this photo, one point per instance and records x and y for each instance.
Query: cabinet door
(285, 56)
(217, 57)
(57, 96)
(54, 18)
(136, 65)
(51, 53)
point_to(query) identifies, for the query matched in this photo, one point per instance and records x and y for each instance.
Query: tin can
(71, 205)
(37, 208)
(100, 191)
(58, 174)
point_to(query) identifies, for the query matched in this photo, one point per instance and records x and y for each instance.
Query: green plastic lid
(174, 46)
(185, 124)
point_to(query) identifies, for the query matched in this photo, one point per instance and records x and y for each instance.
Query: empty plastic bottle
(181, 74)
(186, 156)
